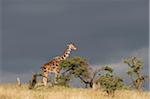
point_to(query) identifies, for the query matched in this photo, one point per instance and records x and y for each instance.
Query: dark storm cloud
(0, 38)
(104, 30)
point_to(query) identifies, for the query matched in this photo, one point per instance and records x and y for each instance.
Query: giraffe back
(52, 66)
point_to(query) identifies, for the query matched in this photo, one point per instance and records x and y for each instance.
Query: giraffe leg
(45, 78)
(56, 77)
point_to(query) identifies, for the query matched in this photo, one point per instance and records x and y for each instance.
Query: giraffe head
(72, 46)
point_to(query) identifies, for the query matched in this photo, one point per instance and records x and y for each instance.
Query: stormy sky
(105, 31)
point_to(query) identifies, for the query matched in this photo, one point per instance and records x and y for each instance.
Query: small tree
(109, 82)
(33, 82)
(134, 71)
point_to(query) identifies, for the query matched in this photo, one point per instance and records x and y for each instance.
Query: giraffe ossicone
(53, 65)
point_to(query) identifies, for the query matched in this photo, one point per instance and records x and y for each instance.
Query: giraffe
(53, 65)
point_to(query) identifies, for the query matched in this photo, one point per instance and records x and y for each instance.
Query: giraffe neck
(64, 55)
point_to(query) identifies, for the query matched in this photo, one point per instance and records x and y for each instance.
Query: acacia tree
(134, 71)
(110, 82)
(76, 67)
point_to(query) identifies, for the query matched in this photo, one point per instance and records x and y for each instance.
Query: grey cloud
(0, 38)
(83, 20)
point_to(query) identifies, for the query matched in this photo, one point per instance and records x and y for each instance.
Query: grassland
(12, 91)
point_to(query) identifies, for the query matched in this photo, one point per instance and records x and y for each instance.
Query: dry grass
(12, 91)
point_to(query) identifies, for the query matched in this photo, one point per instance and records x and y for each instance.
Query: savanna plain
(12, 91)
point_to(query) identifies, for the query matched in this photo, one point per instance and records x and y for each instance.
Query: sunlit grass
(12, 91)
